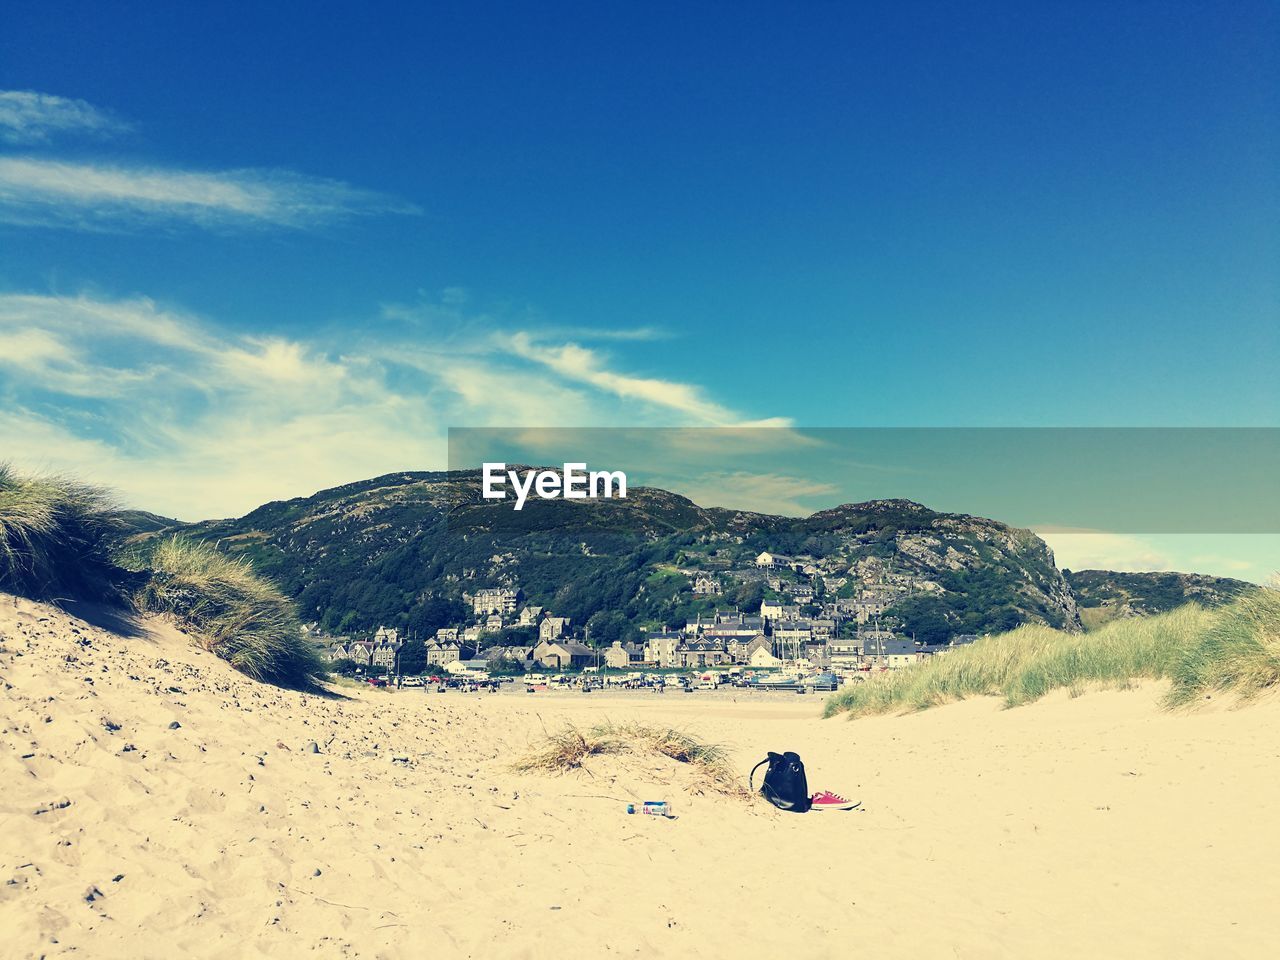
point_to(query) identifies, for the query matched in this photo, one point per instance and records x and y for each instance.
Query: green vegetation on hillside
(401, 550)
(1235, 647)
(1104, 595)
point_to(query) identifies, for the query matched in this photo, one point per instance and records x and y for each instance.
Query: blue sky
(246, 253)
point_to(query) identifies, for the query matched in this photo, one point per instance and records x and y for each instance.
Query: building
(707, 586)
(513, 654)
(500, 600)
(768, 561)
(844, 653)
(438, 654)
(793, 631)
(383, 654)
(530, 616)
(701, 652)
(619, 655)
(740, 650)
(728, 626)
(660, 648)
(340, 649)
(763, 658)
(771, 609)
(564, 655)
(553, 628)
(894, 653)
(823, 628)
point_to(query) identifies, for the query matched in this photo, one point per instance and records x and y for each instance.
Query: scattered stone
(53, 805)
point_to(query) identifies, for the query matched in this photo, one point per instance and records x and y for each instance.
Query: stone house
(707, 586)
(564, 655)
(619, 655)
(701, 652)
(553, 628)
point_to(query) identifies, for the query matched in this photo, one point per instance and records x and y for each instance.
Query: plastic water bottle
(655, 808)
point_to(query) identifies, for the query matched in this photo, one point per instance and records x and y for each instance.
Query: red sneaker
(826, 800)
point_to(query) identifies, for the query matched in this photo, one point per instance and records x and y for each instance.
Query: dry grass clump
(236, 613)
(55, 537)
(569, 748)
(1233, 647)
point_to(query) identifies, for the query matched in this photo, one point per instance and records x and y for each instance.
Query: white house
(767, 560)
(763, 658)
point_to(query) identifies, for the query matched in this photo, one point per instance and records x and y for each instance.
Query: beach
(158, 803)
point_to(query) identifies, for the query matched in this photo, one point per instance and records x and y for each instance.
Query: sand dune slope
(155, 804)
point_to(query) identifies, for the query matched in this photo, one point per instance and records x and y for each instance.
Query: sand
(1093, 826)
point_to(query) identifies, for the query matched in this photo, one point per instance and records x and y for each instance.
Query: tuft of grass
(55, 537)
(239, 615)
(1232, 647)
(1240, 652)
(569, 748)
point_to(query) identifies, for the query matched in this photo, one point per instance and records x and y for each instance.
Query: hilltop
(401, 549)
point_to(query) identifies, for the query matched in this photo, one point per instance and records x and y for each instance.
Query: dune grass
(1240, 652)
(569, 748)
(1233, 647)
(236, 613)
(55, 538)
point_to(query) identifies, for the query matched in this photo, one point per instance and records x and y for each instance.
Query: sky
(250, 251)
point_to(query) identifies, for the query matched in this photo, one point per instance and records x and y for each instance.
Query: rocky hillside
(1104, 595)
(401, 549)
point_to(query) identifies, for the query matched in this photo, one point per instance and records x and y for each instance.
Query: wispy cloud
(37, 191)
(773, 493)
(584, 365)
(186, 417)
(30, 117)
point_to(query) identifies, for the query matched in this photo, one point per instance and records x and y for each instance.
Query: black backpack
(785, 785)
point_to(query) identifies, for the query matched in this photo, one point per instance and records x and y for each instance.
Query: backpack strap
(751, 777)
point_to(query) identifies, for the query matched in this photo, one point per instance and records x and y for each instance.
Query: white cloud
(1092, 550)
(192, 420)
(773, 493)
(30, 117)
(583, 365)
(39, 191)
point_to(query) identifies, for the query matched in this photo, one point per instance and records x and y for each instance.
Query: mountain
(402, 549)
(1104, 595)
(140, 521)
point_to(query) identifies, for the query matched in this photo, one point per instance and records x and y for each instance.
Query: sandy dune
(1095, 826)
